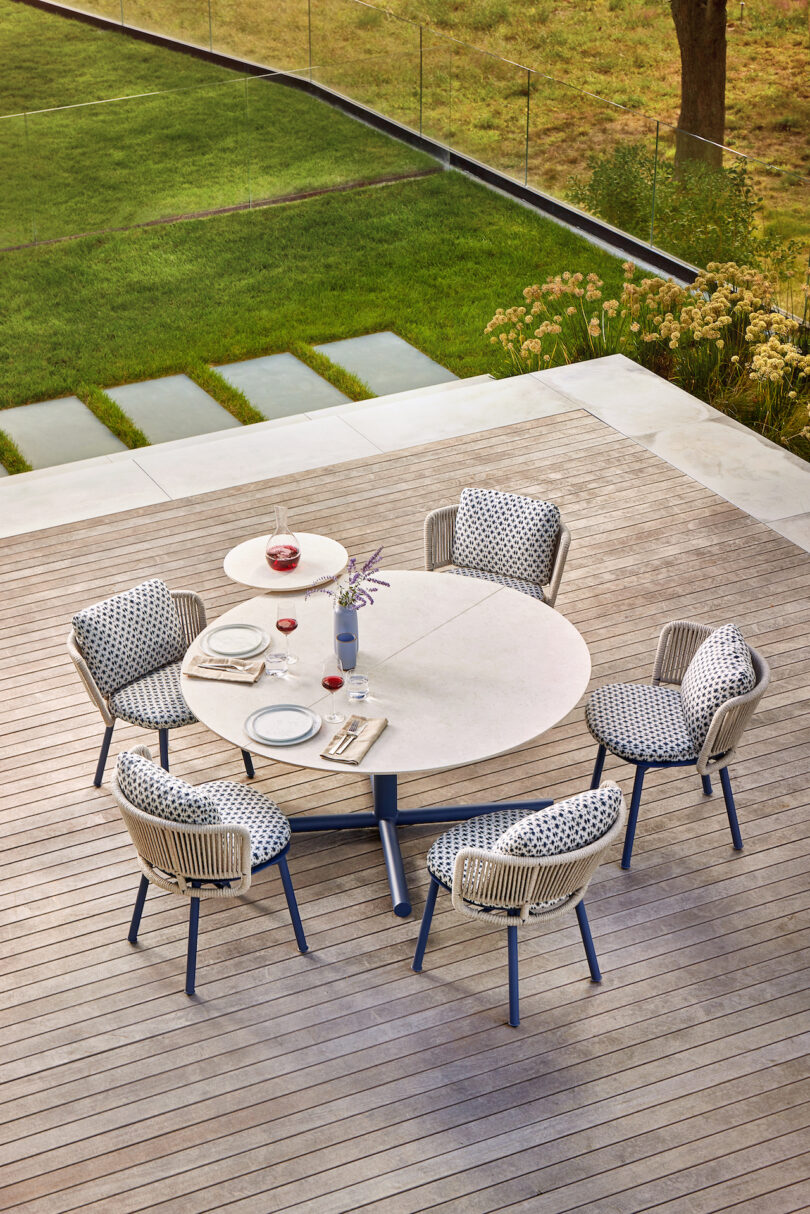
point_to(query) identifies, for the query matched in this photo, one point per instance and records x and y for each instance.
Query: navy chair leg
(102, 758)
(191, 956)
(632, 817)
(597, 767)
(731, 809)
(514, 997)
(247, 759)
(424, 930)
(289, 892)
(163, 742)
(707, 785)
(138, 911)
(587, 940)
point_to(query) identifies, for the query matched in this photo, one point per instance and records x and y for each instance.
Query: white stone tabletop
(322, 560)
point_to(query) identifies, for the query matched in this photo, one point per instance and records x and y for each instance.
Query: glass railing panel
(598, 156)
(125, 162)
(436, 74)
(487, 107)
(17, 221)
(369, 55)
(188, 20)
(274, 37)
(99, 8)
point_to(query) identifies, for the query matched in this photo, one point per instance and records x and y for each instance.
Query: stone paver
(171, 407)
(58, 432)
(386, 363)
(280, 385)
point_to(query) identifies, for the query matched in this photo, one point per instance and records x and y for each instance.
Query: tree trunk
(701, 29)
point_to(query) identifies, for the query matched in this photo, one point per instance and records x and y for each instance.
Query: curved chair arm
(490, 885)
(730, 720)
(90, 684)
(677, 645)
(172, 855)
(440, 527)
(560, 554)
(191, 610)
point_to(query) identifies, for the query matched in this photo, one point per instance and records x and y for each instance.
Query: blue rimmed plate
(282, 725)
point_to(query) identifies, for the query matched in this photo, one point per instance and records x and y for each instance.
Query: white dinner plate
(282, 724)
(235, 641)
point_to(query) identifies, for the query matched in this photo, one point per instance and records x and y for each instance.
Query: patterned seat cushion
(237, 805)
(506, 533)
(129, 635)
(154, 701)
(564, 826)
(720, 670)
(480, 832)
(514, 583)
(640, 723)
(155, 791)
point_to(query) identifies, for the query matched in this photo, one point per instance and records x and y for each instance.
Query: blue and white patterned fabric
(640, 723)
(514, 583)
(241, 806)
(720, 670)
(154, 701)
(129, 635)
(155, 791)
(506, 533)
(480, 832)
(565, 826)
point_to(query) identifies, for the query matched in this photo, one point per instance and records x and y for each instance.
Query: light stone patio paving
(279, 385)
(172, 407)
(386, 363)
(769, 483)
(53, 432)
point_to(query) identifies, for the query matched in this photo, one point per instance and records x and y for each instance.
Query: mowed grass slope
(430, 259)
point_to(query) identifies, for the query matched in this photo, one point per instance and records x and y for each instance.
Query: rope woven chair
(512, 540)
(490, 884)
(196, 860)
(128, 657)
(694, 712)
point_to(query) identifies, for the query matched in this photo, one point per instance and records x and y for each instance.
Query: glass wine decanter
(283, 552)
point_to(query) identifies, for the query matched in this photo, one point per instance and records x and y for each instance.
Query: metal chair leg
(286, 881)
(731, 809)
(597, 767)
(247, 759)
(102, 758)
(632, 817)
(191, 956)
(163, 741)
(707, 785)
(138, 911)
(587, 940)
(424, 930)
(514, 997)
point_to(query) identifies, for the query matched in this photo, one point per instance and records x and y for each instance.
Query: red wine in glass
(283, 557)
(286, 624)
(332, 682)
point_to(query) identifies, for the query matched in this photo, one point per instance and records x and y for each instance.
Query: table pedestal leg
(384, 789)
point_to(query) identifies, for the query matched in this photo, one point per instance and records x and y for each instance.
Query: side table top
(322, 560)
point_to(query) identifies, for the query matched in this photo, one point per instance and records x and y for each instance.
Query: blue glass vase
(345, 620)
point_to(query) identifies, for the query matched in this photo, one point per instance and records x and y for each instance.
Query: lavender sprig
(359, 585)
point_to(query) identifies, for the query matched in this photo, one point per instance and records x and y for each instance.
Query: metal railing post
(654, 182)
(421, 80)
(210, 28)
(31, 184)
(309, 36)
(247, 141)
(528, 101)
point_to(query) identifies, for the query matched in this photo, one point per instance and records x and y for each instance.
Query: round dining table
(322, 560)
(462, 668)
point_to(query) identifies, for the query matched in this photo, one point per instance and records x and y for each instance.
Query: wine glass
(287, 622)
(332, 681)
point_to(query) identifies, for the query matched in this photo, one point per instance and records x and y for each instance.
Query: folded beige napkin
(237, 670)
(357, 749)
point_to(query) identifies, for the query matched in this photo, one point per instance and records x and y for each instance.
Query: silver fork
(353, 730)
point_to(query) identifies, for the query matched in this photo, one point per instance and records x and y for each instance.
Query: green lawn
(215, 139)
(431, 259)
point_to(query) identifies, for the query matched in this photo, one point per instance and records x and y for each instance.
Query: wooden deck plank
(341, 1081)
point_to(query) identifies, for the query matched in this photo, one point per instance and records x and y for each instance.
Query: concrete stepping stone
(280, 385)
(171, 407)
(386, 363)
(54, 432)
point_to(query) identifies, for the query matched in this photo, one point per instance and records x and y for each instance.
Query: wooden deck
(340, 1081)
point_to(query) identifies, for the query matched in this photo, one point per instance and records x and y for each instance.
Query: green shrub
(112, 416)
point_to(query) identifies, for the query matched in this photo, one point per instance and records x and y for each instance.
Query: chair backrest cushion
(721, 669)
(564, 826)
(155, 791)
(506, 533)
(130, 635)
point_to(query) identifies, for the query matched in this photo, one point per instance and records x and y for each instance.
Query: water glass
(276, 665)
(357, 686)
